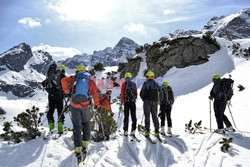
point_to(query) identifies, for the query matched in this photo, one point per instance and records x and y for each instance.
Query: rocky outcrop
(41, 61)
(180, 52)
(132, 66)
(17, 89)
(15, 58)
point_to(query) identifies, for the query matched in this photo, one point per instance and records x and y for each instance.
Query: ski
(159, 138)
(134, 138)
(83, 159)
(150, 140)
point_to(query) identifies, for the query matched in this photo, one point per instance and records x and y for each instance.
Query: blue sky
(88, 25)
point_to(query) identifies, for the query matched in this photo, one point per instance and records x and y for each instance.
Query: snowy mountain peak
(181, 33)
(234, 26)
(125, 42)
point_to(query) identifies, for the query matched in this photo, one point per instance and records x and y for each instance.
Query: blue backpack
(81, 92)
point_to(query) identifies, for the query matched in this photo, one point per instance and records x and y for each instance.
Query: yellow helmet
(128, 74)
(150, 74)
(216, 76)
(165, 83)
(80, 68)
(62, 67)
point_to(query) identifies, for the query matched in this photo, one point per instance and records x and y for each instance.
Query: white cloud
(29, 22)
(82, 10)
(132, 27)
(47, 21)
(168, 12)
(58, 53)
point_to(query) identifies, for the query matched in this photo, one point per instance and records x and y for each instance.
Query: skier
(166, 102)
(149, 95)
(80, 107)
(53, 86)
(219, 106)
(128, 97)
(106, 115)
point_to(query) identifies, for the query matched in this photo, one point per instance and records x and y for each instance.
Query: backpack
(226, 88)
(52, 83)
(151, 90)
(81, 91)
(130, 91)
(167, 95)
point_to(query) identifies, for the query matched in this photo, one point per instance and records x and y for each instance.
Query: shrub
(99, 67)
(2, 111)
(209, 39)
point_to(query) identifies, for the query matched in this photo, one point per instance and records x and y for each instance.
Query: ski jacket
(68, 85)
(123, 90)
(105, 102)
(150, 90)
(215, 92)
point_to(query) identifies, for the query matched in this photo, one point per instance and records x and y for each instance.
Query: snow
(191, 86)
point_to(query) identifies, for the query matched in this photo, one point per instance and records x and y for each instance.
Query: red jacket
(105, 102)
(124, 85)
(68, 83)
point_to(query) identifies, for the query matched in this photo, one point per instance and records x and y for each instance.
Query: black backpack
(130, 91)
(52, 82)
(151, 90)
(226, 88)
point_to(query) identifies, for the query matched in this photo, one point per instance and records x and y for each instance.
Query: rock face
(179, 52)
(22, 71)
(234, 26)
(132, 66)
(182, 33)
(15, 58)
(77, 60)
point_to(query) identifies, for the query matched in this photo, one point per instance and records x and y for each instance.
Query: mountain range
(22, 69)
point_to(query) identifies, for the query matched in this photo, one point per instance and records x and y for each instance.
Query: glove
(210, 98)
(159, 115)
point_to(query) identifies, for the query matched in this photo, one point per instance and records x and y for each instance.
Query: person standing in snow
(128, 97)
(80, 110)
(53, 86)
(166, 102)
(219, 106)
(149, 95)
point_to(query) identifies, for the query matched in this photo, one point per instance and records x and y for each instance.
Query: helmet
(165, 83)
(62, 67)
(216, 76)
(80, 68)
(128, 74)
(150, 74)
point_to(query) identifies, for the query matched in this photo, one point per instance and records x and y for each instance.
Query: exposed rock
(15, 58)
(17, 90)
(132, 66)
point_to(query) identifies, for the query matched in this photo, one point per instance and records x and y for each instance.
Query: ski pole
(231, 115)
(65, 106)
(210, 116)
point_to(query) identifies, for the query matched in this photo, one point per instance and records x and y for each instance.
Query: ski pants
(166, 111)
(219, 109)
(129, 106)
(81, 128)
(150, 106)
(55, 102)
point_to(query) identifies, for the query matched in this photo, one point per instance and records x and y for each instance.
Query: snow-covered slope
(191, 86)
(234, 26)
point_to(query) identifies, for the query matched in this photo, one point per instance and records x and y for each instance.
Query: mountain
(21, 70)
(182, 33)
(110, 56)
(234, 26)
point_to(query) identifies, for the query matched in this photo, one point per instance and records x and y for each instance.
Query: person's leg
(168, 113)
(50, 113)
(133, 115)
(126, 117)
(146, 109)
(218, 114)
(224, 117)
(77, 128)
(154, 113)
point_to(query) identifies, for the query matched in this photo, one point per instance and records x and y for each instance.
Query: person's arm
(94, 92)
(67, 83)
